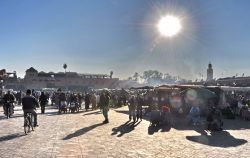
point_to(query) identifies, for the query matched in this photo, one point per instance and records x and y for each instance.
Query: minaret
(209, 72)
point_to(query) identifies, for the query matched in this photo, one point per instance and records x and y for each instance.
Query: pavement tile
(83, 135)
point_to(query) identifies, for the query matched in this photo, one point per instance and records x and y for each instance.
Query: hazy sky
(96, 36)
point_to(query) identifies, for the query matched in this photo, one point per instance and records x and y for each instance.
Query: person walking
(19, 97)
(87, 101)
(43, 99)
(93, 101)
(104, 105)
(8, 106)
(132, 108)
(139, 107)
(79, 98)
(61, 99)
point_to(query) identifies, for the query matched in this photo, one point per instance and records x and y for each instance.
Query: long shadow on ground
(10, 137)
(91, 113)
(161, 128)
(13, 116)
(125, 128)
(82, 131)
(217, 139)
(181, 123)
(56, 113)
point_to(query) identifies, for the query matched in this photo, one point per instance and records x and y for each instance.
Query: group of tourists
(90, 100)
(87, 98)
(32, 100)
(101, 100)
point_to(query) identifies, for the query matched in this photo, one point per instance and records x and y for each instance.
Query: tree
(147, 74)
(130, 78)
(136, 76)
(152, 74)
(157, 75)
(65, 66)
(111, 74)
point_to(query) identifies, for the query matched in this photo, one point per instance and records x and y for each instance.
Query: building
(67, 80)
(3, 74)
(7, 78)
(234, 81)
(209, 72)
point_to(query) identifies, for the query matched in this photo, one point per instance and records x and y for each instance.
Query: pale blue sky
(96, 36)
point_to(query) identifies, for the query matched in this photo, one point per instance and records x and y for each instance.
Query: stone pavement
(84, 135)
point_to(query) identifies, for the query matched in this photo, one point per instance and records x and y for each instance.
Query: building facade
(67, 80)
(234, 81)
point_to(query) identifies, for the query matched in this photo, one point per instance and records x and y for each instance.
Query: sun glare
(169, 26)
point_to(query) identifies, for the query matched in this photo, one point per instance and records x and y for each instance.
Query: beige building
(69, 80)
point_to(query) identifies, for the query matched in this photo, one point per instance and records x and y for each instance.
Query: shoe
(106, 121)
(36, 125)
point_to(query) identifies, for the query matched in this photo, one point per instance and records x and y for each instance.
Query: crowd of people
(155, 104)
(32, 99)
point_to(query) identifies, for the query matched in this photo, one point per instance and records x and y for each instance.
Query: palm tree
(65, 66)
(111, 74)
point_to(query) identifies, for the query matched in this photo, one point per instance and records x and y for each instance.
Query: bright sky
(94, 36)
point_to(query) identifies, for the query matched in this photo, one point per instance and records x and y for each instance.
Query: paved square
(84, 135)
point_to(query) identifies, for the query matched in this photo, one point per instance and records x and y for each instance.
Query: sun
(169, 26)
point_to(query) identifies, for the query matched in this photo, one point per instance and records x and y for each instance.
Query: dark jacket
(87, 99)
(29, 103)
(43, 99)
(8, 97)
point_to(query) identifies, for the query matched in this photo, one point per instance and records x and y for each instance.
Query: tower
(209, 72)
